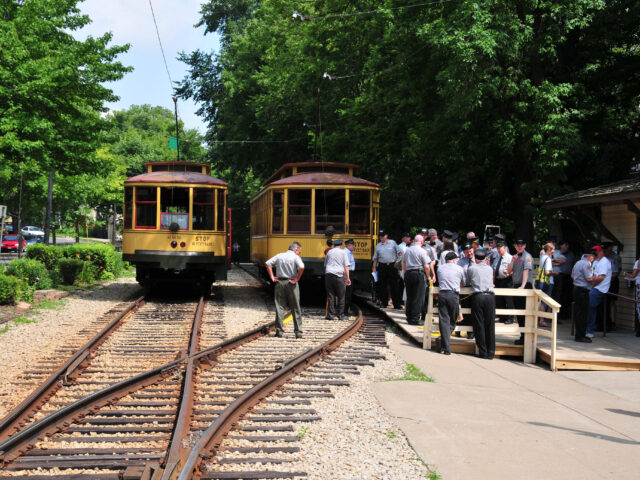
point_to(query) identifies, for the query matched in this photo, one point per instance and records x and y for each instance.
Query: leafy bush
(33, 272)
(70, 268)
(89, 273)
(106, 276)
(102, 256)
(9, 290)
(50, 255)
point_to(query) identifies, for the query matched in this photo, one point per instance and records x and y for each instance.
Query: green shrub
(89, 273)
(106, 276)
(50, 255)
(9, 290)
(102, 256)
(70, 268)
(31, 271)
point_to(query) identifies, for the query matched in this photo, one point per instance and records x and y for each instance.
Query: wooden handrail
(531, 312)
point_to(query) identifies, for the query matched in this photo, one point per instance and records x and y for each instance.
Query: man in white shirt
(336, 279)
(601, 280)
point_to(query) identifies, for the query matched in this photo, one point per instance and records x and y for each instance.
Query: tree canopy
(52, 97)
(466, 112)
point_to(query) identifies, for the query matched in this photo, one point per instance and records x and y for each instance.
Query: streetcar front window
(174, 207)
(203, 208)
(359, 211)
(146, 201)
(330, 207)
(299, 215)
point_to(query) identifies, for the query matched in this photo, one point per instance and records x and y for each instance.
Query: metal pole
(20, 216)
(47, 219)
(175, 106)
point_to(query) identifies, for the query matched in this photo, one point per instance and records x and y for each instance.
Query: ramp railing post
(428, 321)
(530, 319)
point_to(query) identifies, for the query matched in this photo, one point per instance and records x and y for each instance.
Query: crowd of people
(404, 273)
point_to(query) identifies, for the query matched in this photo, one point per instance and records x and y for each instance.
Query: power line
(164, 58)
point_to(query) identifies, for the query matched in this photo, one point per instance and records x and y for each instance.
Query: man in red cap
(601, 280)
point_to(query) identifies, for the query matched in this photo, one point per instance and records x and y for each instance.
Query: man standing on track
(384, 261)
(336, 279)
(483, 305)
(289, 267)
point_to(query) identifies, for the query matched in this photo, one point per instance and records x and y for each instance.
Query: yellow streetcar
(311, 203)
(175, 224)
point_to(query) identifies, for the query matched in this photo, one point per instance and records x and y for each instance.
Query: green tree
(466, 113)
(51, 93)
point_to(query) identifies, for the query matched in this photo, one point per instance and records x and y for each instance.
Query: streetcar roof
(324, 178)
(176, 177)
(287, 169)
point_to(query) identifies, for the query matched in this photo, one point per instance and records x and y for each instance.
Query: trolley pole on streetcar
(175, 108)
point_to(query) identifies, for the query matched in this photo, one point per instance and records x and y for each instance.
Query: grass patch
(303, 431)
(131, 273)
(390, 434)
(51, 304)
(19, 320)
(432, 472)
(5, 328)
(411, 374)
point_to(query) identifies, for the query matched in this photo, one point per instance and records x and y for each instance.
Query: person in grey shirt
(483, 306)
(520, 270)
(581, 273)
(336, 279)
(384, 260)
(465, 262)
(563, 261)
(289, 268)
(450, 277)
(501, 279)
(415, 265)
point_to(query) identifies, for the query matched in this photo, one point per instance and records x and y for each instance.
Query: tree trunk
(77, 227)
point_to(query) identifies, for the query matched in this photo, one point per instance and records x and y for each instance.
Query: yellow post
(529, 354)
(428, 322)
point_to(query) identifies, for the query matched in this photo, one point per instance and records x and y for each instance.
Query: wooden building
(609, 212)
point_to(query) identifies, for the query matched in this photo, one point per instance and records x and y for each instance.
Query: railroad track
(175, 421)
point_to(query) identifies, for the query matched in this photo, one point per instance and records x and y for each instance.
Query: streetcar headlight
(174, 244)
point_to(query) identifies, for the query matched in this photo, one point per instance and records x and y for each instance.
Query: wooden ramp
(504, 342)
(616, 351)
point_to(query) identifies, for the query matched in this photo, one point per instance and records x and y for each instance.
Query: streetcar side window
(146, 201)
(359, 211)
(203, 209)
(128, 207)
(330, 207)
(174, 207)
(278, 212)
(299, 213)
(221, 209)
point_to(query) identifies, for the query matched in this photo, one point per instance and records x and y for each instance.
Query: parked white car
(32, 231)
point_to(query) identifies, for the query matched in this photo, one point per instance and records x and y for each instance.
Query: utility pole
(47, 220)
(20, 216)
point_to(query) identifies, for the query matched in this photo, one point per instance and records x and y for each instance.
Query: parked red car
(10, 243)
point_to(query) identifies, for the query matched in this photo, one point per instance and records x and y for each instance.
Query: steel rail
(17, 444)
(11, 423)
(20, 442)
(212, 437)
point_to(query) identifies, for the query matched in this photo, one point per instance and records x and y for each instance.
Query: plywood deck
(616, 351)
